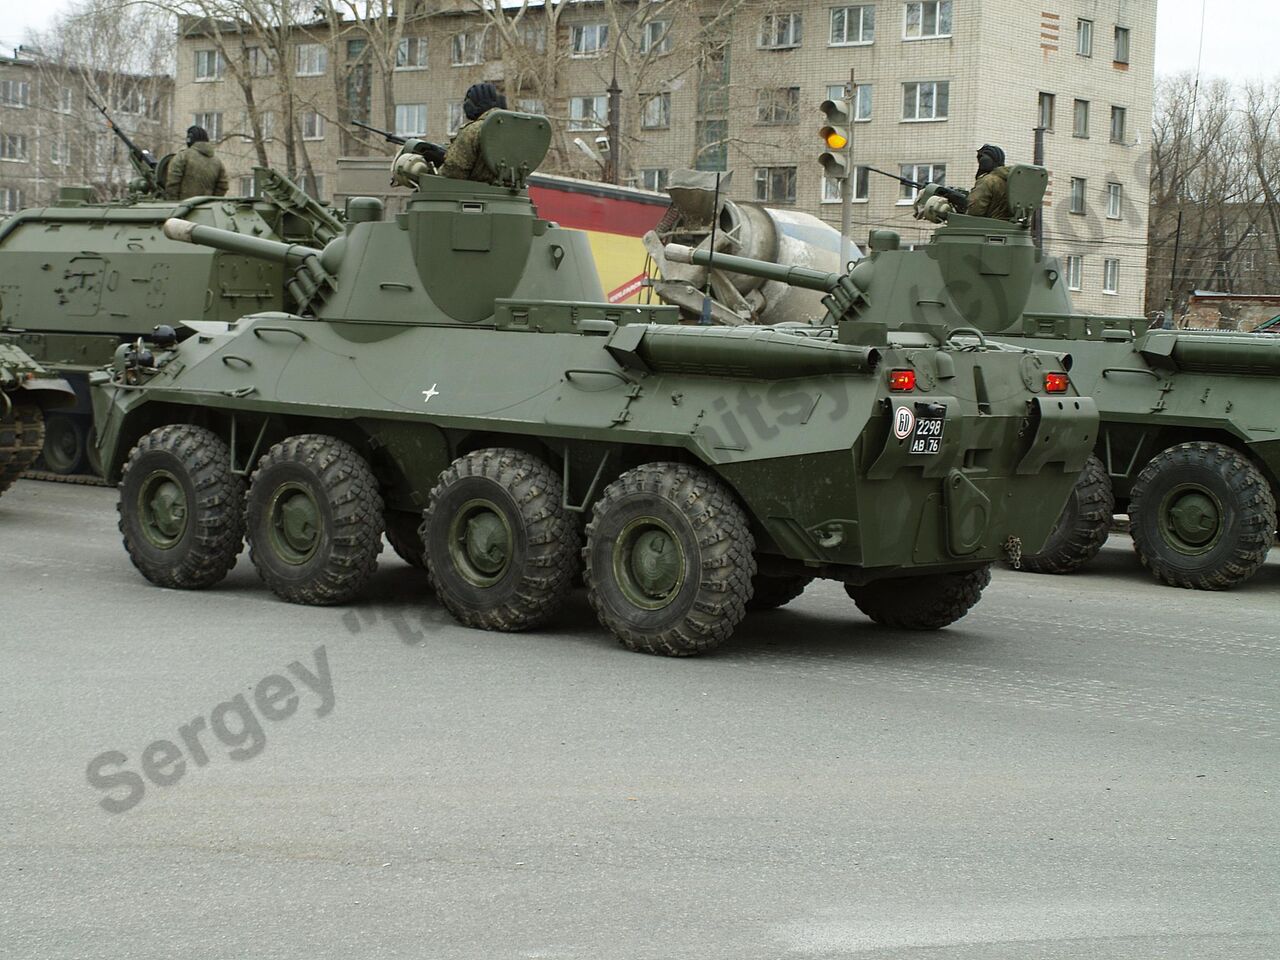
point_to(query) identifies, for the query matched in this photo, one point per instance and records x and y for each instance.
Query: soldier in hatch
(462, 160)
(195, 171)
(990, 194)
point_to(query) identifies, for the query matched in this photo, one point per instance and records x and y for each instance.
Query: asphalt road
(1085, 767)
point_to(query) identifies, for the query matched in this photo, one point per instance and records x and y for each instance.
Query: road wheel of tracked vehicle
(403, 533)
(1083, 527)
(501, 548)
(1202, 516)
(21, 440)
(769, 593)
(928, 602)
(66, 439)
(314, 520)
(669, 560)
(181, 507)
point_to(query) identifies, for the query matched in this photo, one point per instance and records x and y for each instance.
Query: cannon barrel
(792, 276)
(184, 231)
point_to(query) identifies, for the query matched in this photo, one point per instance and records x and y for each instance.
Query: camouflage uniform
(462, 160)
(195, 172)
(990, 196)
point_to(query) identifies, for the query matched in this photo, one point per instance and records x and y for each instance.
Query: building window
(313, 184)
(781, 31)
(411, 119)
(356, 48)
(1118, 116)
(456, 118)
(853, 26)
(259, 62)
(1075, 272)
(467, 48)
(1115, 194)
(11, 200)
(245, 187)
(589, 39)
(411, 53)
(656, 114)
(211, 122)
(533, 36)
(920, 173)
(656, 38)
(929, 100)
(588, 113)
(927, 20)
(210, 65)
(17, 93)
(64, 100)
(1078, 187)
(713, 145)
(312, 125)
(59, 152)
(776, 184)
(1046, 110)
(861, 187)
(1110, 276)
(861, 101)
(266, 120)
(778, 105)
(1080, 120)
(312, 60)
(1122, 45)
(530, 105)
(654, 178)
(1084, 38)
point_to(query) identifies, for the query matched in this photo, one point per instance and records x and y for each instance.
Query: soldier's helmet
(481, 97)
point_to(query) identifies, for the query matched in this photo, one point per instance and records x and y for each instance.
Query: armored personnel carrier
(453, 376)
(79, 278)
(27, 393)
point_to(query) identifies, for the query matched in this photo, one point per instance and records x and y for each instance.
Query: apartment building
(934, 80)
(51, 135)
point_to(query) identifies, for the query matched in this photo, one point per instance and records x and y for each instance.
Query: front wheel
(669, 560)
(181, 507)
(770, 593)
(1202, 516)
(66, 444)
(314, 519)
(1084, 526)
(927, 602)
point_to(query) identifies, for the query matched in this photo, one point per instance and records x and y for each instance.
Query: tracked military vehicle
(453, 376)
(28, 395)
(79, 278)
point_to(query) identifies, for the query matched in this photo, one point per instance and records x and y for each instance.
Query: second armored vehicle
(28, 393)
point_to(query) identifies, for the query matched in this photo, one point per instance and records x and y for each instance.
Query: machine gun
(144, 164)
(386, 134)
(956, 197)
(431, 152)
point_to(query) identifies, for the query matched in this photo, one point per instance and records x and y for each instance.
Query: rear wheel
(181, 508)
(928, 602)
(669, 560)
(769, 593)
(314, 519)
(21, 440)
(65, 443)
(1083, 527)
(404, 537)
(502, 550)
(1202, 516)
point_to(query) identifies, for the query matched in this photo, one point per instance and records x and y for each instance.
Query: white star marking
(428, 394)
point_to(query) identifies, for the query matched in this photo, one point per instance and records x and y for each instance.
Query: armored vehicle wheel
(314, 520)
(1083, 527)
(65, 444)
(769, 593)
(669, 560)
(501, 548)
(928, 602)
(1202, 516)
(21, 439)
(181, 507)
(405, 540)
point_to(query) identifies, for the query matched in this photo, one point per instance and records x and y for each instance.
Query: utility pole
(613, 170)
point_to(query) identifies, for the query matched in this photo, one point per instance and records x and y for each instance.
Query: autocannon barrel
(792, 276)
(184, 231)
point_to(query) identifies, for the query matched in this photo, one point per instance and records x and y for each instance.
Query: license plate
(927, 438)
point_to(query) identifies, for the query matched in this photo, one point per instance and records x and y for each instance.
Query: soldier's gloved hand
(935, 209)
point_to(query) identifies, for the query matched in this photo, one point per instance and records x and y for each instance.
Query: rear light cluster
(1056, 383)
(902, 381)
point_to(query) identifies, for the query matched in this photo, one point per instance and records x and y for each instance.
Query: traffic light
(835, 138)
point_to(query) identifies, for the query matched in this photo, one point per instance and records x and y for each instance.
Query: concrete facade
(742, 94)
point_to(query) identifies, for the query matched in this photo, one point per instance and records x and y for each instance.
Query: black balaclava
(481, 97)
(989, 157)
(196, 135)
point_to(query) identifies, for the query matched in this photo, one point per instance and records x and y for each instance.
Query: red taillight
(901, 381)
(1056, 382)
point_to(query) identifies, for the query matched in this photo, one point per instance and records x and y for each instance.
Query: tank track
(21, 440)
(78, 479)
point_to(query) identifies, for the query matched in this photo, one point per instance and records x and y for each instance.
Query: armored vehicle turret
(452, 376)
(27, 392)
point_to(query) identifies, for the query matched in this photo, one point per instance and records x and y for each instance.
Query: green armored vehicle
(454, 377)
(1189, 445)
(79, 278)
(27, 393)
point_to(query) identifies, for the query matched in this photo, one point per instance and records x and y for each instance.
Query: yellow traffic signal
(835, 137)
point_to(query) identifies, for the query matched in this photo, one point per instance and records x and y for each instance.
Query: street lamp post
(614, 129)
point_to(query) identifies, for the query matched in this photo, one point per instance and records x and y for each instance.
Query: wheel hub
(162, 506)
(481, 542)
(1191, 519)
(295, 524)
(649, 563)
(62, 444)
